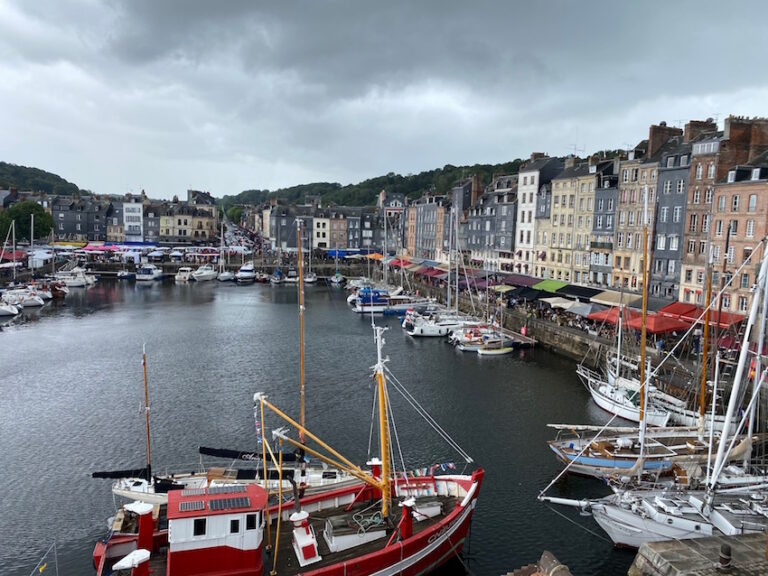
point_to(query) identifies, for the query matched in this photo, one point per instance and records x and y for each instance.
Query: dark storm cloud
(240, 94)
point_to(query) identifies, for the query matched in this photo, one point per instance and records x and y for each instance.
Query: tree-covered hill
(25, 178)
(438, 181)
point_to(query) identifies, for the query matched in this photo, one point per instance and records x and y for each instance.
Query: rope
(572, 521)
(397, 441)
(397, 385)
(373, 416)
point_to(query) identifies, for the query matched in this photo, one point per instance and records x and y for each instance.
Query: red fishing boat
(395, 523)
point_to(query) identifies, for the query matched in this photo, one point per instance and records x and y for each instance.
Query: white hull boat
(620, 401)
(246, 274)
(148, 273)
(205, 273)
(8, 309)
(226, 276)
(184, 275)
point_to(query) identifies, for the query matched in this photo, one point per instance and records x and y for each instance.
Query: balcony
(601, 245)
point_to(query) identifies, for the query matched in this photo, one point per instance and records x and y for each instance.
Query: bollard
(725, 558)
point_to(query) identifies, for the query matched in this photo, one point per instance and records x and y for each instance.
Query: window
(663, 212)
(688, 275)
(752, 206)
(745, 281)
(677, 213)
(250, 522)
(699, 171)
(581, 200)
(716, 253)
(610, 204)
(234, 526)
(734, 227)
(620, 239)
(705, 223)
(750, 228)
(696, 195)
(719, 228)
(708, 196)
(671, 162)
(700, 276)
(742, 303)
(735, 204)
(631, 218)
(661, 242)
(674, 243)
(608, 221)
(702, 246)
(731, 254)
(726, 301)
(629, 240)
(600, 205)
(598, 221)
(681, 187)
(693, 223)
(670, 268)
(747, 254)
(711, 171)
(589, 204)
(199, 527)
(625, 175)
(731, 176)
(622, 218)
(691, 246)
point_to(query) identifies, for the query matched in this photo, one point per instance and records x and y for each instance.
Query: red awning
(421, 270)
(432, 272)
(658, 324)
(677, 309)
(611, 315)
(398, 263)
(8, 255)
(723, 320)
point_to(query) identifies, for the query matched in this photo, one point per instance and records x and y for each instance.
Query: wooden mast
(146, 409)
(386, 495)
(705, 350)
(301, 332)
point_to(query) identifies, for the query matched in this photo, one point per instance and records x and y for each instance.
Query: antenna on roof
(716, 116)
(576, 149)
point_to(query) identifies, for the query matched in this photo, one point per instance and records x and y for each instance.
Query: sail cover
(129, 473)
(241, 455)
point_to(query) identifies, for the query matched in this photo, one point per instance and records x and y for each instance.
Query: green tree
(21, 212)
(234, 213)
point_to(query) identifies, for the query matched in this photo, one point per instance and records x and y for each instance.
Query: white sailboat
(224, 275)
(635, 517)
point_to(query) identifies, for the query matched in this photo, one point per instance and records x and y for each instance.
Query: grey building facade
(672, 194)
(603, 231)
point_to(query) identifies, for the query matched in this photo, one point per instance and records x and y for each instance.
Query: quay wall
(564, 340)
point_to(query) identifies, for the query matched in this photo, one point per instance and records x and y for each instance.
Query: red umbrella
(611, 315)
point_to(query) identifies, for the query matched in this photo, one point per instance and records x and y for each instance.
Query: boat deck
(287, 563)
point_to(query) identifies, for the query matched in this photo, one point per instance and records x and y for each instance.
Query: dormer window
(670, 162)
(683, 160)
(756, 174)
(731, 176)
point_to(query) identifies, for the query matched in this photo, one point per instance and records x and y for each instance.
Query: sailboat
(356, 530)
(338, 278)
(634, 517)
(224, 274)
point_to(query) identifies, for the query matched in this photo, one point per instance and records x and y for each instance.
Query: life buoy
(752, 369)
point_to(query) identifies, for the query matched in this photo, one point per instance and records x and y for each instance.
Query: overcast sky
(121, 95)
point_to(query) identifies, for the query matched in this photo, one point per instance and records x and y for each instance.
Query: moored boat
(148, 273)
(205, 273)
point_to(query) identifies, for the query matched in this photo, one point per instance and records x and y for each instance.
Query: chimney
(695, 128)
(536, 155)
(658, 136)
(477, 190)
(570, 161)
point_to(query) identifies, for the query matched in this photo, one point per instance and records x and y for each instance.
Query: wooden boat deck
(288, 564)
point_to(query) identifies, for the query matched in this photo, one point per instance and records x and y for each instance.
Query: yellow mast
(386, 495)
(146, 409)
(643, 385)
(301, 332)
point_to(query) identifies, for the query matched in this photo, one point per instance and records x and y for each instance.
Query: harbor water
(72, 395)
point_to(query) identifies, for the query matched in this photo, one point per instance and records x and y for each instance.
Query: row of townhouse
(700, 191)
(136, 218)
(333, 228)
